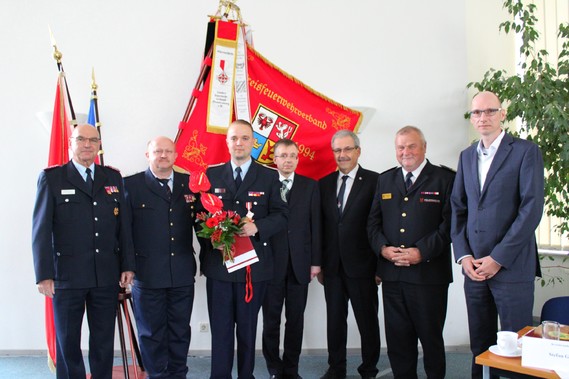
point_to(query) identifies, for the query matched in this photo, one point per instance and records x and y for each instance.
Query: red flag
(281, 107)
(58, 154)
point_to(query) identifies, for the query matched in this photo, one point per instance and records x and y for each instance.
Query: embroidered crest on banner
(269, 127)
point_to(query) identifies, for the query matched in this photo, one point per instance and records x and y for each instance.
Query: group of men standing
(354, 229)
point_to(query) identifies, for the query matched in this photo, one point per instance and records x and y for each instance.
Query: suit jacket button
(402, 230)
(94, 203)
(405, 198)
(172, 254)
(97, 251)
(236, 201)
(403, 214)
(264, 244)
(58, 253)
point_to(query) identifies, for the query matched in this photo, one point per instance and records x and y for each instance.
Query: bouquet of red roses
(218, 225)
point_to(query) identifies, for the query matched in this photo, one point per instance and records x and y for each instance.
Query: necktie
(341, 194)
(238, 179)
(284, 189)
(89, 180)
(408, 181)
(165, 186)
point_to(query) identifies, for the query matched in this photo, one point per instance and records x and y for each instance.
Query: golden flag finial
(93, 83)
(56, 53)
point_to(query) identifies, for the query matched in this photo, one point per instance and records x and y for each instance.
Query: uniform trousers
(293, 296)
(163, 323)
(362, 293)
(415, 312)
(488, 300)
(69, 306)
(229, 317)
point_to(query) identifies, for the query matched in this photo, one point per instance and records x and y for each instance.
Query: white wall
(410, 60)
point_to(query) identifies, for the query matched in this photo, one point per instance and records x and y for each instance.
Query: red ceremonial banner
(58, 155)
(281, 107)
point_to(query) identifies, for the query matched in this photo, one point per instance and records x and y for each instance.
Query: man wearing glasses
(82, 251)
(348, 261)
(497, 203)
(163, 216)
(297, 260)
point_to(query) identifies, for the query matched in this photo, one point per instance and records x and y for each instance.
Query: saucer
(496, 350)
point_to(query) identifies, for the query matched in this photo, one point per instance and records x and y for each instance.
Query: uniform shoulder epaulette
(52, 167)
(113, 168)
(447, 168)
(389, 169)
(215, 165)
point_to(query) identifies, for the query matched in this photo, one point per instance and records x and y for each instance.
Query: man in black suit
(348, 261)
(409, 229)
(250, 190)
(162, 219)
(297, 261)
(82, 251)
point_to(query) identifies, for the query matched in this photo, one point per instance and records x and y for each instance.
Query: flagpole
(57, 55)
(97, 123)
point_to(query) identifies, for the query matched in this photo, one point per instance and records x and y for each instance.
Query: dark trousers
(293, 296)
(68, 309)
(488, 300)
(415, 312)
(163, 323)
(362, 293)
(231, 316)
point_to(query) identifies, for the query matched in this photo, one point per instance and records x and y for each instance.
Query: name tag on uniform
(68, 191)
(385, 196)
(219, 190)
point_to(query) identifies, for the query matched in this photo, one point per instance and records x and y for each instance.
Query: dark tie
(238, 179)
(165, 186)
(285, 190)
(408, 181)
(341, 194)
(89, 180)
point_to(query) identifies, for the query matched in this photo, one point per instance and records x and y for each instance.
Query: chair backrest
(556, 309)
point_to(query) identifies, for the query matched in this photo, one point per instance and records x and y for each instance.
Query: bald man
(497, 203)
(163, 216)
(82, 251)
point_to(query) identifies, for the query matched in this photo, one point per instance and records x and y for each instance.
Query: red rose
(212, 222)
(216, 235)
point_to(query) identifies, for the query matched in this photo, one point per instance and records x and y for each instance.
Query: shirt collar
(290, 178)
(82, 169)
(351, 174)
(480, 149)
(415, 172)
(244, 167)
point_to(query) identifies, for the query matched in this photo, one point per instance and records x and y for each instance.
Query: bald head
(161, 155)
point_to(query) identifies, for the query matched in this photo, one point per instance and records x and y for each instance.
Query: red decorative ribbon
(248, 285)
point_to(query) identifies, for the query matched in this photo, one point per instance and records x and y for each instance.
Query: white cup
(508, 342)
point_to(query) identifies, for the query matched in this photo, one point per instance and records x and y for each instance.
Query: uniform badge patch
(385, 196)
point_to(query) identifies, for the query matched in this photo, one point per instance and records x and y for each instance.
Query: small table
(510, 367)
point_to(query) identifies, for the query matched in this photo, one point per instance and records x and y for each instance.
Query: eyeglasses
(160, 152)
(488, 112)
(286, 156)
(80, 139)
(345, 150)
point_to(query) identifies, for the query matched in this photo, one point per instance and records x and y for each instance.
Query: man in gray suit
(497, 203)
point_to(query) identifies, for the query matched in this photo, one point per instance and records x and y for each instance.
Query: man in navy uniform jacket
(162, 219)
(297, 261)
(82, 251)
(243, 186)
(409, 230)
